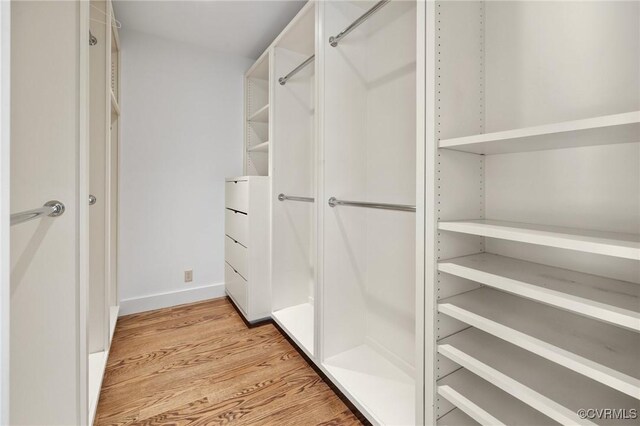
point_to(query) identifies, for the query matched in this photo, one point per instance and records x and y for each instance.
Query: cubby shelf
(613, 301)
(298, 323)
(261, 115)
(487, 404)
(603, 352)
(604, 130)
(262, 147)
(385, 391)
(606, 243)
(548, 387)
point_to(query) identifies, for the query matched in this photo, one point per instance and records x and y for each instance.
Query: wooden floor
(200, 364)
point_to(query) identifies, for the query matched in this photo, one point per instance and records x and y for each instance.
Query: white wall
(181, 135)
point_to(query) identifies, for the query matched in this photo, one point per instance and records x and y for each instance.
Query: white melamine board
(549, 388)
(261, 115)
(299, 35)
(113, 319)
(604, 130)
(386, 392)
(612, 301)
(97, 364)
(606, 243)
(298, 322)
(603, 352)
(488, 404)
(456, 417)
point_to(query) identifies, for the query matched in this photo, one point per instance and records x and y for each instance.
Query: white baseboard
(171, 298)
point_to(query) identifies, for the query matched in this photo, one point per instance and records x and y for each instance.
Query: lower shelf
(546, 386)
(456, 418)
(298, 321)
(97, 364)
(486, 403)
(384, 391)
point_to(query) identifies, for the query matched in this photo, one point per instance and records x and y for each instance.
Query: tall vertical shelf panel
(368, 147)
(294, 176)
(533, 150)
(258, 119)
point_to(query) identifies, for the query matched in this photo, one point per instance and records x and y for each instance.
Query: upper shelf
(615, 244)
(605, 299)
(261, 115)
(114, 104)
(262, 147)
(604, 130)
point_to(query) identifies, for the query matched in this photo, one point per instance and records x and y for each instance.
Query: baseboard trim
(170, 298)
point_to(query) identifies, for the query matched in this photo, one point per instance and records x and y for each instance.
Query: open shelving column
(257, 117)
(536, 263)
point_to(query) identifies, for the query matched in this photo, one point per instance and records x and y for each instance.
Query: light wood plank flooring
(199, 364)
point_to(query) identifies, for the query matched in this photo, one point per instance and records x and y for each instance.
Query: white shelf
(114, 103)
(113, 319)
(605, 130)
(261, 115)
(553, 390)
(386, 392)
(603, 352)
(615, 244)
(456, 418)
(605, 299)
(298, 322)
(262, 147)
(97, 364)
(487, 404)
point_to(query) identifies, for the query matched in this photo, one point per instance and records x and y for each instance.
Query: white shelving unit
(534, 269)
(261, 115)
(613, 301)
(257, 132)
(606, 130)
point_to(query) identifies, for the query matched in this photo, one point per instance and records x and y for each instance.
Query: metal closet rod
(51, 208)
(333, 202)
(335, 40)
(283, 197)
(283, 80)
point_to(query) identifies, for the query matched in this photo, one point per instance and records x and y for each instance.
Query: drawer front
(236, 225)
(236, 287)
(236, 256)
(237, 195)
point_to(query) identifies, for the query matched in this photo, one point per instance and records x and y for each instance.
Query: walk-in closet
(320, 212)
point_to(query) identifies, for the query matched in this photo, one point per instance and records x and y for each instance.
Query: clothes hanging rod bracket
(283, 80)
(334, 40)
(333, 202)
(283, 197)
(51, 208)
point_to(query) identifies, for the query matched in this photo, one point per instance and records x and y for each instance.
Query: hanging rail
(283, 197)
(51, 208)
(333, 202)
(333, 41)
(283, 80)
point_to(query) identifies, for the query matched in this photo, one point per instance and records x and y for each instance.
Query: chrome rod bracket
(333, 41)
(57, 206)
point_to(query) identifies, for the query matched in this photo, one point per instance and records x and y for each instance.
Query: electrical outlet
(188, 276)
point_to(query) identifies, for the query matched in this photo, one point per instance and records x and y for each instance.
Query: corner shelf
(260, 116)
(553, 390)
(603, 130)
(263, 147)
(602, 352)
(612, 301)
(626, 246)
(486, 403)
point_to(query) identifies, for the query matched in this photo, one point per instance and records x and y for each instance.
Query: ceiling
(239, 27)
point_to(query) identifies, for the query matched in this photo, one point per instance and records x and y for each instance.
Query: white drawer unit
(246, 246)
